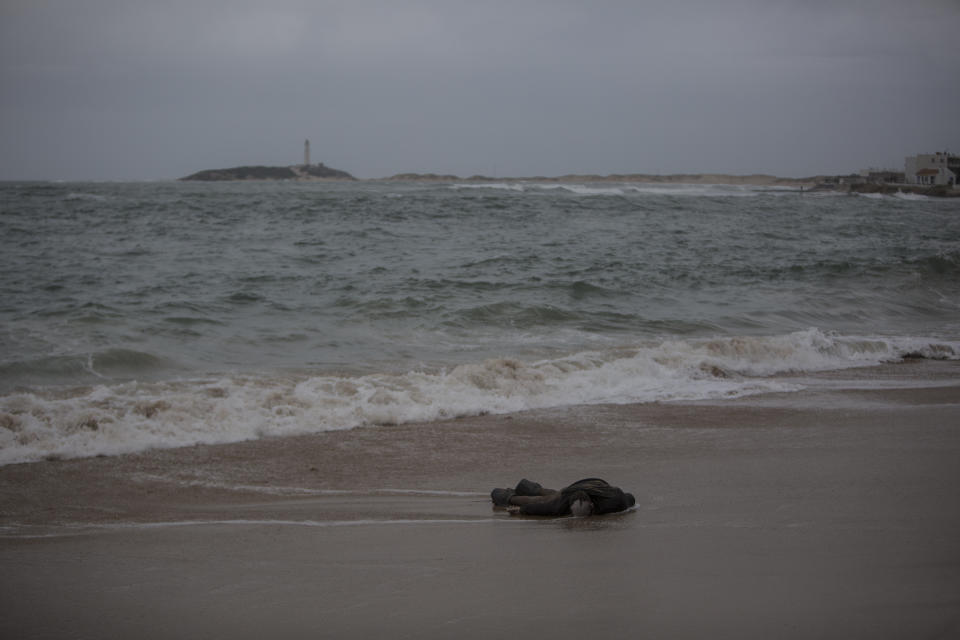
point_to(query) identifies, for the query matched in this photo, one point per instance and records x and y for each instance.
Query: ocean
(167, 314)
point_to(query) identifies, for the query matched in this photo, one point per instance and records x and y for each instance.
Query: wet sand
(828, 513)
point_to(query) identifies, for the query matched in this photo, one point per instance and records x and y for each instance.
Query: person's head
(630, 499)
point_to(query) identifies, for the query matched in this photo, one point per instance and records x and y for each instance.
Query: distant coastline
(812, 183)
(321, 172)
(677, 178)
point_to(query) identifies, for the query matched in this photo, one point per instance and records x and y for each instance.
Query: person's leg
(524, 488)
(522, 500)
(530, 488)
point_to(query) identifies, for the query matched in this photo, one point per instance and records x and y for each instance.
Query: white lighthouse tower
(306, 153)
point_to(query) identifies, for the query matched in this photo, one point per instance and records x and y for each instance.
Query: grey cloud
(516, 88)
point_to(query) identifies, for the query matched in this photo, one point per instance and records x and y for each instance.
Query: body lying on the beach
(590, 496)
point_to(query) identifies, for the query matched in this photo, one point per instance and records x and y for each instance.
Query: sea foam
(639, 189)
(128, 417)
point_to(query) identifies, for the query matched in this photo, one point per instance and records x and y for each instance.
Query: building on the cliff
(306, 152)
(931, 169)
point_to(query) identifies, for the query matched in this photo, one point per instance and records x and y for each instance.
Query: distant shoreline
(645, 178)
(320, 172)
(813, 183)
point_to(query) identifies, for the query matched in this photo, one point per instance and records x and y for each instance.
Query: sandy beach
(827, 513)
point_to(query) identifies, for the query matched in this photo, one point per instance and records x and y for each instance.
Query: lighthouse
(306, 152)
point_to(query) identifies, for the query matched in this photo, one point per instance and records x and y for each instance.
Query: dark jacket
(605, 499)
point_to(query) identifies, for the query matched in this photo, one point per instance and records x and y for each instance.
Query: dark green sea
(136, 315)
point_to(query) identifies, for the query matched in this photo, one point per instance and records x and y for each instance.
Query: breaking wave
(118, 418)
(622, 189)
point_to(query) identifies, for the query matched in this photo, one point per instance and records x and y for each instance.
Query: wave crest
(110, 364)
(111, 419)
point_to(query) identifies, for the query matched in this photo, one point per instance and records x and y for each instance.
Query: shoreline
(830, 512)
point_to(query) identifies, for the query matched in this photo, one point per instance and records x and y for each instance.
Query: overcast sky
(136, 89)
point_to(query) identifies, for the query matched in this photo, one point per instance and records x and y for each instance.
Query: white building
(932, 169)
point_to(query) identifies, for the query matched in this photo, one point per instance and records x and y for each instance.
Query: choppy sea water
(136, 315)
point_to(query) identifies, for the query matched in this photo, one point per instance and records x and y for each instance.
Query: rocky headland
(933, 191)
(317, 171)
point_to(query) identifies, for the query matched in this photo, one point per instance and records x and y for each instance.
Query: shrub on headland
(936, 191)
(271, 173)
(244, 173)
